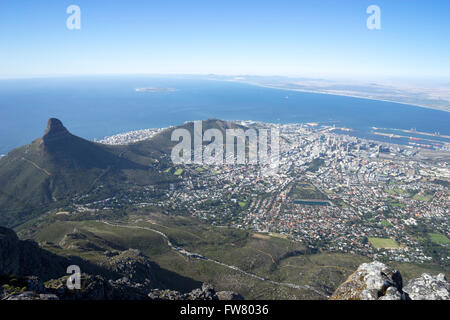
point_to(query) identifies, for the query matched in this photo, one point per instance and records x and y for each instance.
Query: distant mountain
(161, 143)
(51, 170)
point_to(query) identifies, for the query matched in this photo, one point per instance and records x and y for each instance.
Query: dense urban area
(332, 191)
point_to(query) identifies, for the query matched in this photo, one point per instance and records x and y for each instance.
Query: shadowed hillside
(58, 166)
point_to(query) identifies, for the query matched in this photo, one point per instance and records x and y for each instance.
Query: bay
(98, 106)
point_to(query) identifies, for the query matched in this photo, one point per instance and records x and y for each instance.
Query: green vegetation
(396, 191)
(415, 194)
(178, 172)
(86, 182)
(438, 238)
(433, 243)
(273, 256)
(386, 224)
(12, 284)
(383, 243)
(342, 204)
(305, 190)
(422, 197)
(59, 167)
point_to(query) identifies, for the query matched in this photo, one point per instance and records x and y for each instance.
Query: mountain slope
(59, 165)
(161, 143)
(53, 169)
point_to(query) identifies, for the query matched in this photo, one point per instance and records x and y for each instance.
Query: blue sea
(95, 107)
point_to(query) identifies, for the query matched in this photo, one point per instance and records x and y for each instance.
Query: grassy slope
(439, 238)
(268, 257)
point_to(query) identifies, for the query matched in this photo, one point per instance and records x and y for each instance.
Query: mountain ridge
(58, 166)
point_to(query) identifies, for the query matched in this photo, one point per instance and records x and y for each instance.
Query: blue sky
(326, 38)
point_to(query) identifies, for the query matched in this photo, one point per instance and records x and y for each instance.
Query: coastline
(341, 95)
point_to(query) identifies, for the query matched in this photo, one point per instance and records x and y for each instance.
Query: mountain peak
(55, 128)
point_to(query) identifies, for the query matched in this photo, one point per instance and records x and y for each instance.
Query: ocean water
(95, 107)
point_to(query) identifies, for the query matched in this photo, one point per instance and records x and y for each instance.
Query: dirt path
(37, 167)
(200, 257)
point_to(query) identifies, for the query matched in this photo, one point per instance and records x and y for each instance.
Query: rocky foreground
(376, 281)
(98, 288)
(28, 272)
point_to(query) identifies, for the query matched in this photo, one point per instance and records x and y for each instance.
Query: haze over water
(95, 107)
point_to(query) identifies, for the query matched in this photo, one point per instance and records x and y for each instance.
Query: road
(201, 257)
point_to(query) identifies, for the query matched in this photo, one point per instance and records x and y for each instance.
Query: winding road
(201, 257)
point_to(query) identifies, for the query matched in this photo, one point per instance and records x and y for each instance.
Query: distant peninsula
(155, 89)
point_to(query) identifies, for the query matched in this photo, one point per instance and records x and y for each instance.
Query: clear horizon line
(231, 76)
(318, 76)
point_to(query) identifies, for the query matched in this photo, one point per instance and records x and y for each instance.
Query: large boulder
(229, 295)
(376, 281)
(206, 292)
(428, 287)
(372, 281)
(97, 288)
(132, 265)
(159, 294)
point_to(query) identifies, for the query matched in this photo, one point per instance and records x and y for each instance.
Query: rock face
(55, 128)
(376, 281)
(206, 292)
(9, 252)
(32, 273)
(98, 288)
(428, 287)
(133, 266)
(229, 295)
(26, 258)
(372, 281)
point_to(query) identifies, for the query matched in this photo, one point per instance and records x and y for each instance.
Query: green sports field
(384, 243)
(439, 238)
